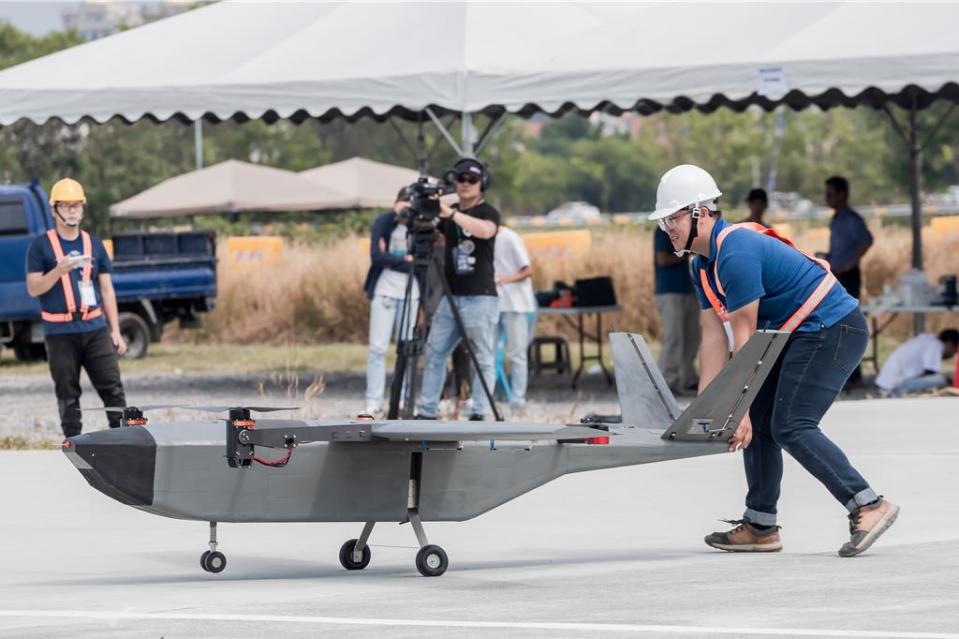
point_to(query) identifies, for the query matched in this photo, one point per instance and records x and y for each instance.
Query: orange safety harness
(72, 314)
(801, 313)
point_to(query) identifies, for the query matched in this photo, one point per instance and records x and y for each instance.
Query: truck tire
(27, 352)
(136, 333)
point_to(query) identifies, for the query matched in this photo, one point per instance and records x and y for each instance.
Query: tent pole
(491, 130)
(198, 142)
(445, 131)
(466, 134)
(420, 145)
(402, 137)
(915, 166)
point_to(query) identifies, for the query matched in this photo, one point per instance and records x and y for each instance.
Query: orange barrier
(254, 249)
(571, 244)
(558, 244)
(945, 224)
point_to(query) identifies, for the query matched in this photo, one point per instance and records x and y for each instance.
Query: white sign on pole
(771, 82)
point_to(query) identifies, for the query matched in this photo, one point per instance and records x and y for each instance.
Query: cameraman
(385, 287)
(469, 229)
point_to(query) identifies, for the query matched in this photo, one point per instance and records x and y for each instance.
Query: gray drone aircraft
(405, 471)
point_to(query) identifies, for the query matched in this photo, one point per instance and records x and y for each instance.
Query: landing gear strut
(211, 560)
(431, 560)
(355, 554)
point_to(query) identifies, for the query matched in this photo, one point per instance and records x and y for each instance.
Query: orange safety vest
(72, 314)
(801, 313)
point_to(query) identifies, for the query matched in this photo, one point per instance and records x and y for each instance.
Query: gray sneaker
(867, 524)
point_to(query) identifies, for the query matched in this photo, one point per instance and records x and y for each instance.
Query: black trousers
(852, 282)
(95, 353)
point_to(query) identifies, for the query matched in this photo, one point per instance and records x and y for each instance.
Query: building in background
(96, 19)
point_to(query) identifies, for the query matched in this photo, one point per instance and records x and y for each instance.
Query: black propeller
(255, 409)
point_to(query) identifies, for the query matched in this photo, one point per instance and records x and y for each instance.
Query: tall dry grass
(314, 293)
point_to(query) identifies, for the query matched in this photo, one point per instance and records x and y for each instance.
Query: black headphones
(485, 179)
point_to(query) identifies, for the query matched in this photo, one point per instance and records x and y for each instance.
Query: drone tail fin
(647, 402)
(716, 413)
(644, 396)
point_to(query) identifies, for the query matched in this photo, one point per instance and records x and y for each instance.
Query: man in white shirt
(514, 287)
(916, 365)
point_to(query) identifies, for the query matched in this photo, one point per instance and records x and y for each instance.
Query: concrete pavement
(616, 552)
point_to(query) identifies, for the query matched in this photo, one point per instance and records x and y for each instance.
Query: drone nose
(119, 462)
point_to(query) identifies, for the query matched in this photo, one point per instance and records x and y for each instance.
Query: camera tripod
(426, 269)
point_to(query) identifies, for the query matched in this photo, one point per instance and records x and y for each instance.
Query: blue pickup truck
(158, 277)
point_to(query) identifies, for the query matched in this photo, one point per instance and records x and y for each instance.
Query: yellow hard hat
(67, 190)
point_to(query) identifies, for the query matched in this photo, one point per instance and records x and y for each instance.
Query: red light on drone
(67, 444)
(598, 441)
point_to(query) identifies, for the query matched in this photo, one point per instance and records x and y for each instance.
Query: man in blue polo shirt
(678, 316)
(849, 239)
(69, 270)
(756, 281)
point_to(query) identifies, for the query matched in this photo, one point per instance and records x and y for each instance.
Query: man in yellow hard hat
(69, 270)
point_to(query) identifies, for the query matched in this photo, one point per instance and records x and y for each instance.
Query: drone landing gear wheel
(348, 558)
(432, 561)
(213, 561)
(353, 559)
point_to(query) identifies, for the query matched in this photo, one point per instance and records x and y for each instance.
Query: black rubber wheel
(136, 333)
(203, 559)
(432, 561)
(346, 556)
(214, 562)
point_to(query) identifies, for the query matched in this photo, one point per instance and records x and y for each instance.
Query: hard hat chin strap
(56, 209)
(696, 213)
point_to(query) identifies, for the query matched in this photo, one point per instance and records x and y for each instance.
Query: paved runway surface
(615, 552)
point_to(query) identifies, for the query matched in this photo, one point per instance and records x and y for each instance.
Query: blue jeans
(479, 314)
(799, 390)
(516, 328)
(384, 323)
(920, 384)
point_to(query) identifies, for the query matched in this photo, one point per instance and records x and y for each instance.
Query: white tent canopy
(270, 59)
(230, 187)
(416, 60)
(365, 183)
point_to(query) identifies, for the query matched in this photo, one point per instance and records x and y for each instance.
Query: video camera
(423, 214)
(424, 199)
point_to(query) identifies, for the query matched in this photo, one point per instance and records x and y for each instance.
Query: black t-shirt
(472, 255)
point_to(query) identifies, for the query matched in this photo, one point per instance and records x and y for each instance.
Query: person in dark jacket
(385, 287)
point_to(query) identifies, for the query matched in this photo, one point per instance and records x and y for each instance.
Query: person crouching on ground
(916, 364)
(755, 279)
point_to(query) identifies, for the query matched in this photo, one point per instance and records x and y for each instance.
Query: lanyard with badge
(88, 296)
(464, 262)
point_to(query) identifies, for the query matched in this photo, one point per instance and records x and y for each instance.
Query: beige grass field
(313, 294)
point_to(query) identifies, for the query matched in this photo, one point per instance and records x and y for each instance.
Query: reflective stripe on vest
(67, 282)
(804, 310)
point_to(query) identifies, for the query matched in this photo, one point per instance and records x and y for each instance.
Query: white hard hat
(683, 186)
